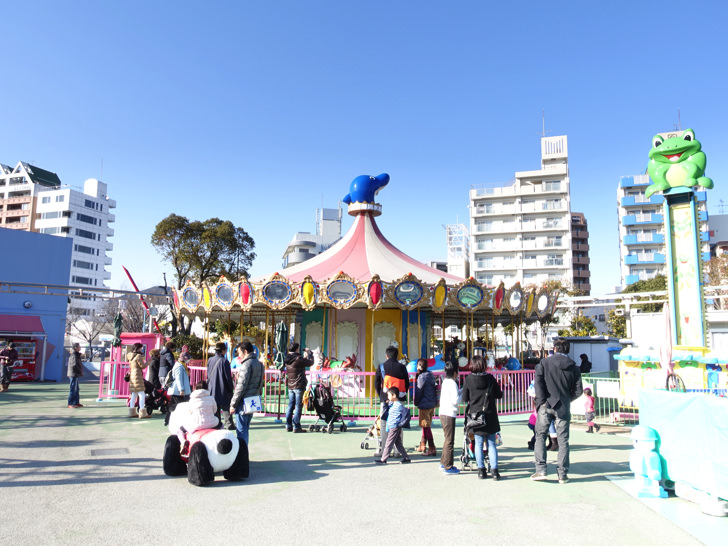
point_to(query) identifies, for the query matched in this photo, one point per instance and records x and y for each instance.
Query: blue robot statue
(646, 463)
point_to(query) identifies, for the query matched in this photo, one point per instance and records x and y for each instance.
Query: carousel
(363, 294)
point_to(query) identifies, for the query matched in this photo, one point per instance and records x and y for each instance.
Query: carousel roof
(362, 253)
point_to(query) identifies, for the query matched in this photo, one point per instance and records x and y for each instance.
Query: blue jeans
(242, 425)
(295, 400)
(74, 397)
(492, 451)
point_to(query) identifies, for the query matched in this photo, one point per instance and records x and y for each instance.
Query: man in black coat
(220, 383)
(557, 383)
(296, 380)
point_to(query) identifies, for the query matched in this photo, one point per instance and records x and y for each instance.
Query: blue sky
(259, 112)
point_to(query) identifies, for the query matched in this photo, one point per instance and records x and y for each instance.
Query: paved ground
(92, 476)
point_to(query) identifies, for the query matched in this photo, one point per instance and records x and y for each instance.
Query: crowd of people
(221, 402)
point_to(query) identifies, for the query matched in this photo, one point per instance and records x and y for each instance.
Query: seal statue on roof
(364, 188)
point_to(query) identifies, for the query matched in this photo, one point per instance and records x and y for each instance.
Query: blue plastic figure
(646, 463)
(364, 188)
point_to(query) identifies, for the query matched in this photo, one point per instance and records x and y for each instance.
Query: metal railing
(353, 391)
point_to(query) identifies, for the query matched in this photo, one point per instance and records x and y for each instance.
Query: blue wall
(43, 259)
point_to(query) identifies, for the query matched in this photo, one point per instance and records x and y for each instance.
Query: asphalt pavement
(93, 476)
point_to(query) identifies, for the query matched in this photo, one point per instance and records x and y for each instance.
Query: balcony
(583, 274)
(644, 239)
(634, 181)
(644, 258)
(635, 219)
(633, 200)
(579, 260)
(582, 247)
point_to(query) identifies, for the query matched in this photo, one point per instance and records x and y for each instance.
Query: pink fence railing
(353, 391)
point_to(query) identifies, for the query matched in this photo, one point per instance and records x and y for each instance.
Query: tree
(616, 324)
(657, 283)
(199, 251)
(89, 327)
(580, 326)
(716, 274)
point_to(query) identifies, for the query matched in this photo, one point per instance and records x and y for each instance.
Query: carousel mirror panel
(341, 291)
(408, 293)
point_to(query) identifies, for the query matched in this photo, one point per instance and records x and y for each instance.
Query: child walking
(449, 399)
(589, 411)
(394, 428)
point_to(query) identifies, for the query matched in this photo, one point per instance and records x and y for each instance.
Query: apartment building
(580, 253)
(305, 245)
(642, 249)
(521, 231)
(33, 199)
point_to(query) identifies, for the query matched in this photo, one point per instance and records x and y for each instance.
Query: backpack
(405, 418)
(169, 380)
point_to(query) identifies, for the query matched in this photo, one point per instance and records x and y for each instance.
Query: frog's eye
(657, 141)
(688, 135)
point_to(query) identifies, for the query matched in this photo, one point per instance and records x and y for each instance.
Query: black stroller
(323, 404)
(156, 399)
(467, 457)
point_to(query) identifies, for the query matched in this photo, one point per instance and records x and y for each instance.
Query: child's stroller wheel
(342, 428)
(364, 446)
(311, 428)
(330, 428)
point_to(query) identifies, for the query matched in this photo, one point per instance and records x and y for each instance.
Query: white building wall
(521, 232)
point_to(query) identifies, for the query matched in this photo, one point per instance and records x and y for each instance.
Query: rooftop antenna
(543, 124)
(679, 123)
(721, 207)
(101, 174)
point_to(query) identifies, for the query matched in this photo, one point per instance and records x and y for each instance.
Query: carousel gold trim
(357, 296)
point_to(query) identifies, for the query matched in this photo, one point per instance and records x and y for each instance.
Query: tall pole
(141, 298)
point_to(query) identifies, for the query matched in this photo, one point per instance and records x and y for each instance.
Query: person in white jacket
(449, 400)
(197, 414)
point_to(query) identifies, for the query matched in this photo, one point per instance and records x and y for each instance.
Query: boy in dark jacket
(296, 380)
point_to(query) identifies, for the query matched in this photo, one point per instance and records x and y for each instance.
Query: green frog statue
(676, 162)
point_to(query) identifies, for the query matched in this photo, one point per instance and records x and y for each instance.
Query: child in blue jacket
(395, 420)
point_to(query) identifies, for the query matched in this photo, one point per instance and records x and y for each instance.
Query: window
(60, 198)
(45, 200)
(86, 218)
(83, 265)
(84, 249)
(551, 185)
(553, 241)
(82, 280)
(551, 204)
(50, 230)
(86, 234)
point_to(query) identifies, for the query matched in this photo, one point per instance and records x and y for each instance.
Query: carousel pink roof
(362, 253)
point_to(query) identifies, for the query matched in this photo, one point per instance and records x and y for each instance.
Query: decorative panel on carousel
(277, 292)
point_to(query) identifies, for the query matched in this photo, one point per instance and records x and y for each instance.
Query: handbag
(127, 377)
(477, 419)
(252, 404)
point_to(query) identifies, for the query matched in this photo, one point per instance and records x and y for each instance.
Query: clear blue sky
(259, 112)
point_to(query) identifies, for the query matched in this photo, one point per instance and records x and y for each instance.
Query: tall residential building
(306, 245)
(642, 250)
(33, 199)
(580, 253)
(458, 250)
(522, 231)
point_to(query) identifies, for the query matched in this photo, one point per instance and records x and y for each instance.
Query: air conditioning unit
(619, 312)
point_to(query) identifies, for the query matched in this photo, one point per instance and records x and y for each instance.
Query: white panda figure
(210, 451)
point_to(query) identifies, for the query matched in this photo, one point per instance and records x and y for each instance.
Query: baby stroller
(467, 457)
(323, 404)
(155, 399)
(374, 433)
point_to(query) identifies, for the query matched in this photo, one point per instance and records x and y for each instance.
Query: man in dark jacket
(8, 356)
(296, 380)
(220, 382)
(391, 373)
(75, 371)
(558, 383)
(166, 360)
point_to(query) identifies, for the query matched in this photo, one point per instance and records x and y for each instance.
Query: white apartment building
(521, 232)
(306, 245)
(642, 249)
(33, 199)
